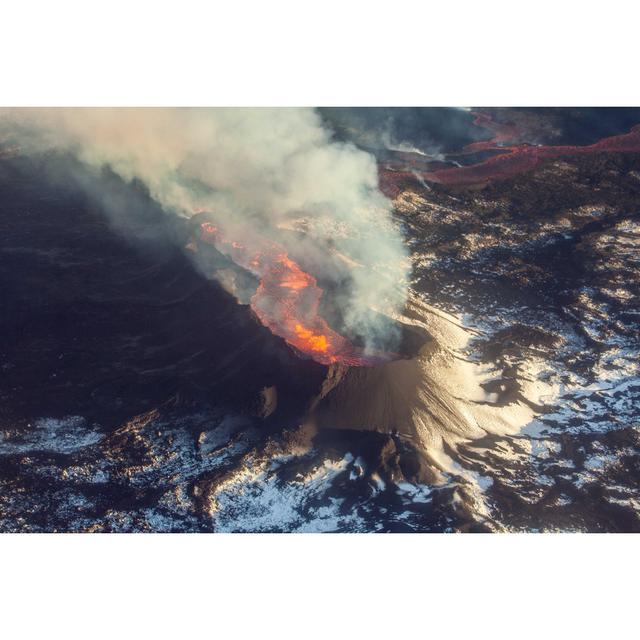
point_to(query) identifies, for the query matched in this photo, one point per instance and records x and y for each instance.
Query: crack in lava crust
(287, 301)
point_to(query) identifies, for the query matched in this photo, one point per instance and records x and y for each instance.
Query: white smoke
(258, 172)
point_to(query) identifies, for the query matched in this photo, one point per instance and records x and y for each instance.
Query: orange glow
(207, 227)
(287, 299)
(315, 342)
(293, 277)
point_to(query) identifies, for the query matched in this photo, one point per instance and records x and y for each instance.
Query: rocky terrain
(136, 394)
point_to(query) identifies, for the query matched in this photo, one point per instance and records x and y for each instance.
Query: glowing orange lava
(287, 299)
(316, 342)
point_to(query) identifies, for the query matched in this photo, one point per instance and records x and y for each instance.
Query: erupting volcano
(287, 301)
(214, 320)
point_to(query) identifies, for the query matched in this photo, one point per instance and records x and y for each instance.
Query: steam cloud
(258, 172)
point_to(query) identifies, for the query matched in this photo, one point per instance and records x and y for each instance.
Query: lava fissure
(287, 301)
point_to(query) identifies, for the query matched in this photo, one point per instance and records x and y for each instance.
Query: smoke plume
(258, 173)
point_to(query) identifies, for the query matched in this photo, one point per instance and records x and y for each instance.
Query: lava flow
(287, 300)
(510, 159)
(518, 158)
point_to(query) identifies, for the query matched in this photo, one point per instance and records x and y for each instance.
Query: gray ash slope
(132, 387)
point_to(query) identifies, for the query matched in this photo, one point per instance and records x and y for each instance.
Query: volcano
(179, 373)
(287, 301)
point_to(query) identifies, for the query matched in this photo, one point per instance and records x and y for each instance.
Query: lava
(287, 300)
(524, 157)
(510, 159)
(316, 342)
(502, 133)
